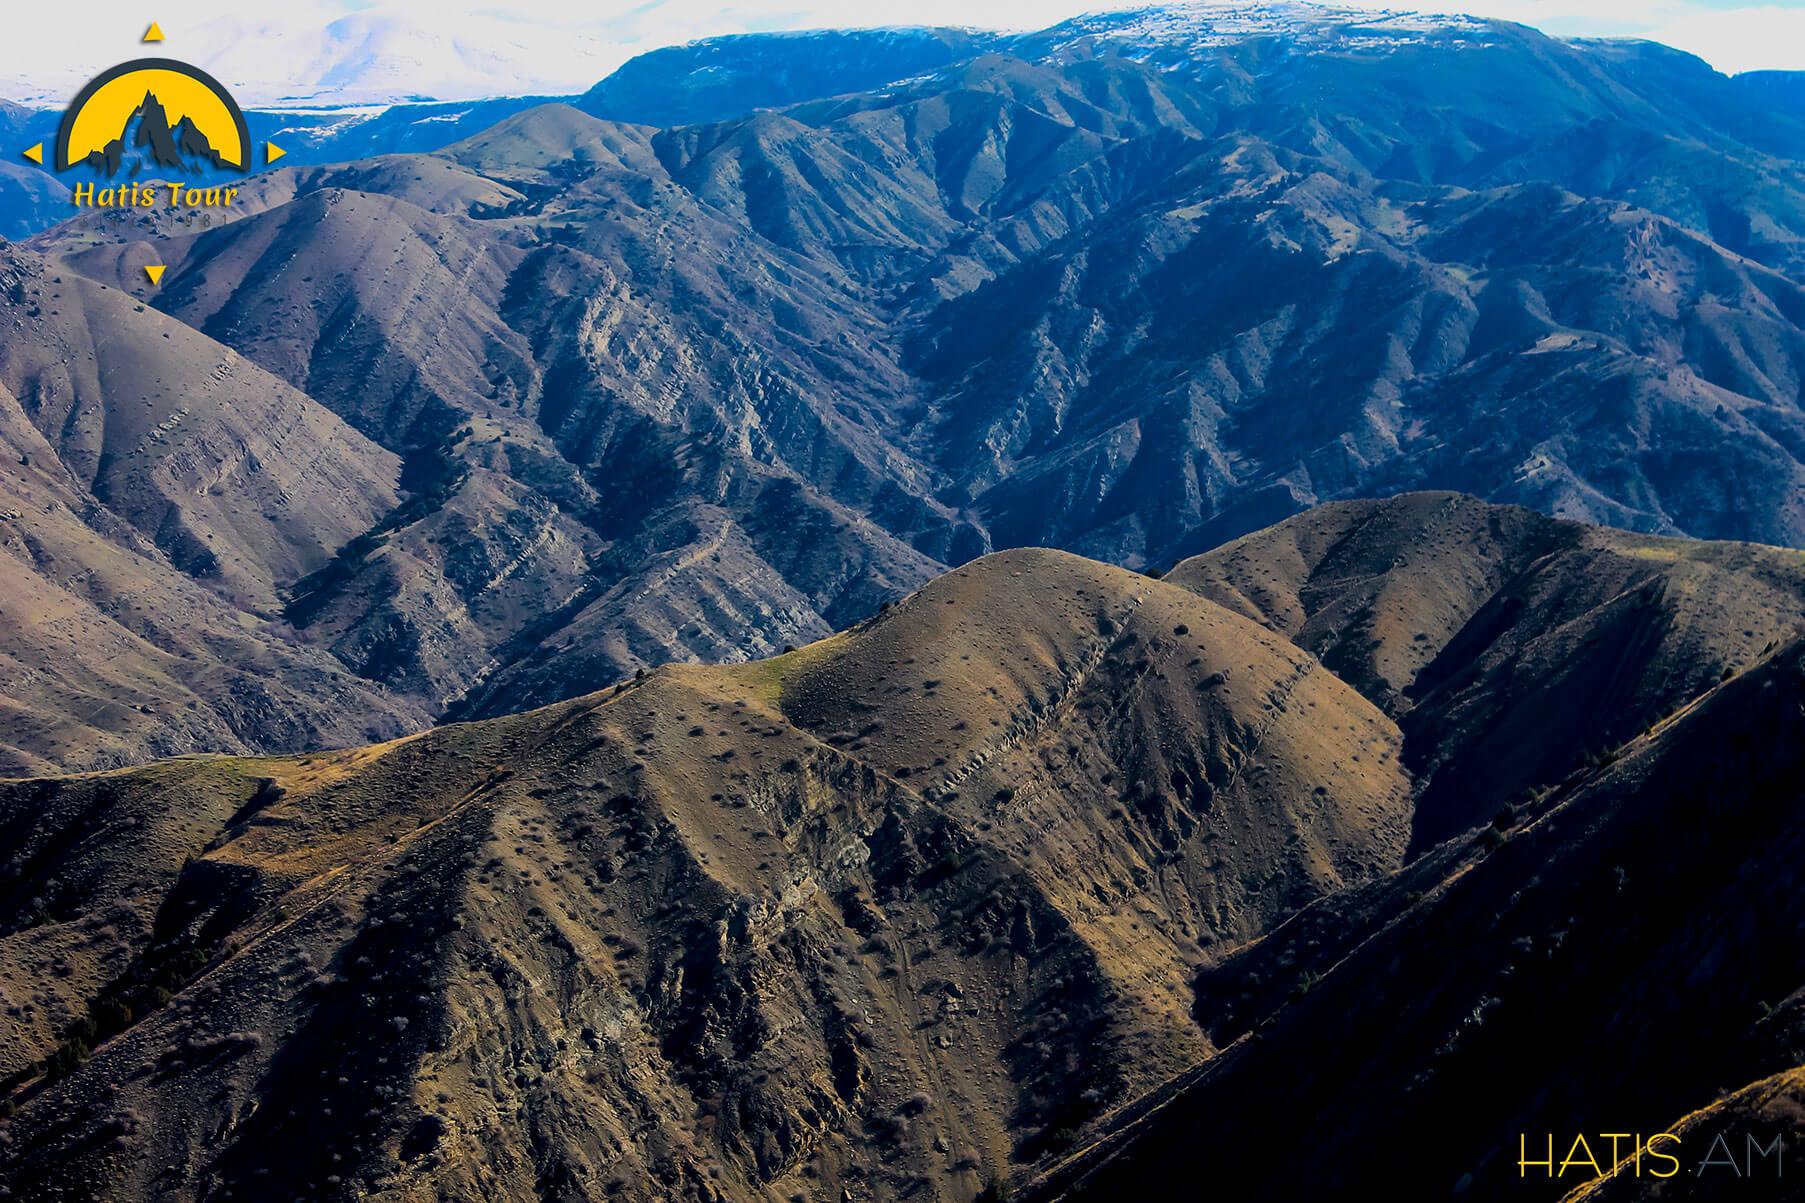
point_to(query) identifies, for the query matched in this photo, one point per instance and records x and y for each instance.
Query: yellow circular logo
(154, 109)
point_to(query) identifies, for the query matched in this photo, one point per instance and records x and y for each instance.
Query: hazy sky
(365, 49)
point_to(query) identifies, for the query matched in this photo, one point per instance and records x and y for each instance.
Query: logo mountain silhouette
(147, 139)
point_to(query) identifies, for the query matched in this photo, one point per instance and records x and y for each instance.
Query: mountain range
(1129, 286)
(1205, 598)
(1052, 874)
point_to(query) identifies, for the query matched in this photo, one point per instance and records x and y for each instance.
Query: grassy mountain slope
(1511, 648)
(693, 932)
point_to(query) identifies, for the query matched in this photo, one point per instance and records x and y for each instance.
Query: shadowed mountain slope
(1504, 984)
(1733, 1138)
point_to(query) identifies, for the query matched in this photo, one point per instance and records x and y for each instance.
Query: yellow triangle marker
(35, 153)
(155, 272)
(154, 33)
(272, 152)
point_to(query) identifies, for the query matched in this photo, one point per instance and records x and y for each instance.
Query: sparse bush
(112, 1015)
(68, 1057)
(996, 1190)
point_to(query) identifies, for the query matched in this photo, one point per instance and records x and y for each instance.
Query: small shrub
(996, 1190)
(68, 1057)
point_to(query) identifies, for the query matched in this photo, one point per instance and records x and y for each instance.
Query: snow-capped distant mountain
(1175, 30)
(316, 53)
